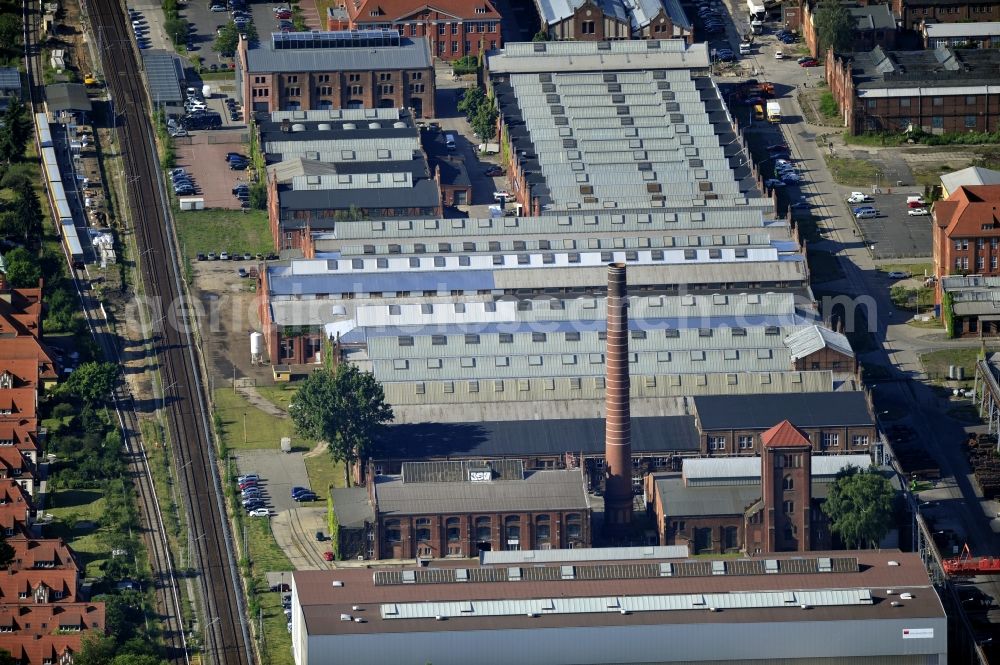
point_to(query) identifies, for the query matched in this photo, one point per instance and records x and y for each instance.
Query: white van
(449, 140)
(744, 48)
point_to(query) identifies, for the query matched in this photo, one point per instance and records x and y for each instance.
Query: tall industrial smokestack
(618, 421)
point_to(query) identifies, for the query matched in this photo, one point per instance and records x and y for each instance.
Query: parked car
(725, 55)
(242, 273)
(811, 62)
(918, 212)
(862, 209)
(177, 133)
(218, 8)
(248, 476)
(211, 256)
(260, 512)
(502, 195)
(778, 55)
(897, 274)
(494, 171)
(858, 197)
(299, 490)
(328, 555)
(773, 183)
(241, 188)
(184, 191)
(201, 257)
(306, 496)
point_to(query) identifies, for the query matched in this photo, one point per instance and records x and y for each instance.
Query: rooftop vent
(374, 125)
(324, 126)
(350, 125)
(337, 583)
(346, 617)
(399, 125)
(298, 127)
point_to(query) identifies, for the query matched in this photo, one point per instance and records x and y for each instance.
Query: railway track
(226, 640)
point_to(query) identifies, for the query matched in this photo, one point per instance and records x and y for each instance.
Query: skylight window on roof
(347, 155)
(427, 308)
(464, 261)
(395, 310)
(414, 262)
(434, 363)
(439, 262)
(358, 264)
(382, 263)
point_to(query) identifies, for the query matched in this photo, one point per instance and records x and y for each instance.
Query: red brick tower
(618, 422)
(786, 477)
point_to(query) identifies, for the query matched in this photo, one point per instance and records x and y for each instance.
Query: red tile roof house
(50, 649)
(454, 28)
(17, 512)
(42, 553)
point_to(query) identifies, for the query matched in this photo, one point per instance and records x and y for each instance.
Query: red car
(811, 62)
(283, 15)
(328, 555)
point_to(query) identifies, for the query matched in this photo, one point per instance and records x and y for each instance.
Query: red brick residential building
(17, 513)
(452, 28)
(597, 21)
(939, 91)
(966, 229)
(911, 13)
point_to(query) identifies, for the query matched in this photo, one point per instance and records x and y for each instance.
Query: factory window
(572, 337)
(788, 507)
(690, 254)
(859, 440)
(439, 340)
(970, 122)
(423, 529)
(473, 386)
(543, 529)
(524, 305)
(574, 525)
(787, 484)
(587, 27)
(406, 341)
(538, 337)
(831, 440)
(419, 248)
(638, 334)
(472, 339)
(746, 441)
(454, 529)
(938, 101)
(392, 531)
(671, 333)
(506, 338)
(512, 527)
(739, 332)
(716, 443)
(484, 529)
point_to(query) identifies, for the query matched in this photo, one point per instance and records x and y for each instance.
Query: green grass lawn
(218, 230)
(268, 557)
(70, 507)
(851, 171)
(936, 362)
(262, 430)
(323, 471)
(918, 269)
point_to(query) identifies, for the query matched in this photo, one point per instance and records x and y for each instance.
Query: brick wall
(915, 12)
(837, 440)
(450, 38)
(460, 534)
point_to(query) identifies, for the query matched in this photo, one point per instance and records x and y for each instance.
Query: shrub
(828, 105)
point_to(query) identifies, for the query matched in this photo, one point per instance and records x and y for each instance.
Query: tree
(258, 196)
(95, 649)
(92, 382)
(226, 41)
(859, 506)
(345, 407)
(23, 270)
(15, 130)
(484, 123)
(835, 27)
(6, 658)
(29, 212)
(472, 99)
(11, 29)
(136, 659)
(541, 36)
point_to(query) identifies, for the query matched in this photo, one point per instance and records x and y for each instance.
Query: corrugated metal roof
(832, 409)
(540, 490)
(262, 57)
(455, 471)
(517, 438)
(618, 604)
(511, 557)
(163, 76)
(10, 78)
(974, 175)
(809, 340)
(975, 29)
(728, 468)
(623, 55)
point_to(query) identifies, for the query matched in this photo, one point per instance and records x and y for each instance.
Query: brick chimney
(618, 423)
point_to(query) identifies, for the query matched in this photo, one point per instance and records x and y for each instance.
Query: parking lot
(203, 156)
(894, 234)
(279, 472)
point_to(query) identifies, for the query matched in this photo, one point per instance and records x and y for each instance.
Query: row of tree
(480, 112)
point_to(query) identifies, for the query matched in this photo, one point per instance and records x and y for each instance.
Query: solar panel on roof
(334, 39)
